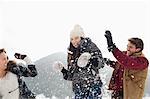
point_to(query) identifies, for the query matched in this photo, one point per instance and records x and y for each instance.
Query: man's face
(75, 41)
(3, 61)
(131, 49)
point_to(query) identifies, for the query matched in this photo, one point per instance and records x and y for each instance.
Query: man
(135, 66)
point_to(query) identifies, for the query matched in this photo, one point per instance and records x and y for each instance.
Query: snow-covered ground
(105, 93)
(41, 96)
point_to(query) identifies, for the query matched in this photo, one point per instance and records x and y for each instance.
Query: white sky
(42, 27)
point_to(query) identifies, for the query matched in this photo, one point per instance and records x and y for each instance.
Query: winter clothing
(77, 31)
(111, 45)
(135, 73)
(86, 82)
(58, 66)
(117, 95)
(135, 68)
(19, 56)
(21, 71)
(7, 84)
(116, 82)
(83, 59)
(23, 57)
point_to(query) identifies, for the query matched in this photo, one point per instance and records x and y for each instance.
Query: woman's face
(3, 61)
(75, 41)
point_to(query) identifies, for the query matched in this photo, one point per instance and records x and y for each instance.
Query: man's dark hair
(137, 42)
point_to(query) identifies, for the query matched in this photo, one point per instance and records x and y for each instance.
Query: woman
(13, 87)
(84, 62)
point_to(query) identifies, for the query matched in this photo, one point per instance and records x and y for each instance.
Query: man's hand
(108, 61)
(110, 43)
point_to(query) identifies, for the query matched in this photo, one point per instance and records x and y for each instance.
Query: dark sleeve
(29, 71)
(67, 74)
(111, 64)
(71, 68)
(130, 62)
(96, 56)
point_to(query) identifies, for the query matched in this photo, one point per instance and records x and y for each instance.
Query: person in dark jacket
(12, 73)
(84, 61)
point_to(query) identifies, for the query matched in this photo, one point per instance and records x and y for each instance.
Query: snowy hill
(51, 83)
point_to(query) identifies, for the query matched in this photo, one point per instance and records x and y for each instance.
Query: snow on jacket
(20, 71)
(84, 78)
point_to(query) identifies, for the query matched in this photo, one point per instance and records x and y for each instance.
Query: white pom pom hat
(77, 31)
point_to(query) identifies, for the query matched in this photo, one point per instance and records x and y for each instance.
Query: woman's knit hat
(77, 31)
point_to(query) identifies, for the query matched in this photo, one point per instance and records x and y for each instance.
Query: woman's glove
(24, 58)
(58, 66)
(19, 56)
